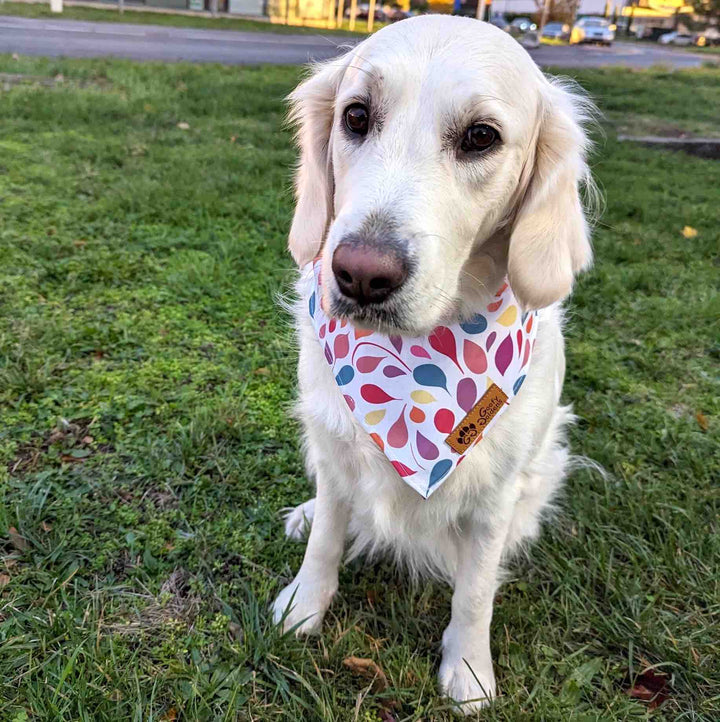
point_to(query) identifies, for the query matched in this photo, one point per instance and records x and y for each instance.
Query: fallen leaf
(183, 125)
(702, 421)
(650, 686)
(262, 371)
(46, 527)
(4, 580)
(689, 232)
(79, 244)
(233, 138)
(170, 715)
(87, 439)
(19, 542)
(368, 669)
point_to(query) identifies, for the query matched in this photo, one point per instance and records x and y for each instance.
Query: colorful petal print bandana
(426, 401)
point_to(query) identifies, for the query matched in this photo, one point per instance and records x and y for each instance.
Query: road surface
(70, 38)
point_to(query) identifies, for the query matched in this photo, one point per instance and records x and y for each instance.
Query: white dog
(436, 161)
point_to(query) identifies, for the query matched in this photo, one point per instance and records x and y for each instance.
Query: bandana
(426, 401)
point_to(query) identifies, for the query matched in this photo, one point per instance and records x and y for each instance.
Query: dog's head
(435, 159)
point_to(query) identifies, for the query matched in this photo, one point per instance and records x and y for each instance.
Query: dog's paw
(302, 604)
(468, 684)
(298, 520)
(466, 672)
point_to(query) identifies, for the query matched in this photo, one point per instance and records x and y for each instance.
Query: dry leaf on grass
(183, 125)
(650, 686)
(689, 232)
(4, 580)
(702, 421)
(19, 542)
(368, 669)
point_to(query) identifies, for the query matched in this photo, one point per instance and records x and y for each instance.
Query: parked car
(556, 31)
(676, 38)
(363, 12)
(393, 15)
(522, 25)
(593, 30)
(500, 21)
(709, 36)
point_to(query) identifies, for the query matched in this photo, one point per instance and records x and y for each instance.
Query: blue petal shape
(311, 305)
(430, 375)
(439, 471)
(518, 384)
(477, 324)
(345, 375)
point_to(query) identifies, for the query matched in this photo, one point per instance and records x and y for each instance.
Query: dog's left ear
(311, 111)
(549, 242)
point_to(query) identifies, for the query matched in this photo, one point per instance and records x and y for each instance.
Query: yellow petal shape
(422, 397)
(508, 316)
(374, 417)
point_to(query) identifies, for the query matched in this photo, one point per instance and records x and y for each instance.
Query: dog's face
(436, 158)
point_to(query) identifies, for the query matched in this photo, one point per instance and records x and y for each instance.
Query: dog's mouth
(387, 317)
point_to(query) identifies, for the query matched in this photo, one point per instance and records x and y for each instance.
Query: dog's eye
(357, 119)
(478, 138)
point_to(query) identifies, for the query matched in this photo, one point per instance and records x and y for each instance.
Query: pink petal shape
(367, 364)
(426, 448)
(494, 305)
(466, 394)
(475, 358)
(445, 421)
(397, 342)
(490, 340)
(374, 394)
(402, 469)
(419, 351)
(349, 401)
(526, 355)
(442, 340)
(519, 341)
(504, 355)
(397, 436)
(341, 346)
(332, 325)
(393, 371)
(328, 354)
(323, 329)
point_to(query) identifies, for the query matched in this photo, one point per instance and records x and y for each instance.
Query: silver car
(593, 30)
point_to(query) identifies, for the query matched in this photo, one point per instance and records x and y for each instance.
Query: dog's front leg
(309, 595)
(466, 671)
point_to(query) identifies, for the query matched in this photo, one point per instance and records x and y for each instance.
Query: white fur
(468, 224)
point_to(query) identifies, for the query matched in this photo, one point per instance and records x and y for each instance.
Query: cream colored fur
(516, 212)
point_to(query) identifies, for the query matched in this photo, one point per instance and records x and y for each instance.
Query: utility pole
(544, 16)
(214, 8)
(481, 6)
(340, 13)
(56, 6)
(121, 6)
(371, 16)
(353, 13)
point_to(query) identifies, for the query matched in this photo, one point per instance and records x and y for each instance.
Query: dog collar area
(426, 401)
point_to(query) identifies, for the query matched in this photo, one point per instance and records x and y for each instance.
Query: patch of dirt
(9, 80)
(72, 439)
(175, 602)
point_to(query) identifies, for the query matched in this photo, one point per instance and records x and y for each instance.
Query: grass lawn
(139, 17)
(146, 374)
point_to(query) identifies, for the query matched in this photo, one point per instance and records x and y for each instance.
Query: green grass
(139, 17)
(146, 374)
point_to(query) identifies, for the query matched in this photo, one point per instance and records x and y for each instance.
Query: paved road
(71, 38)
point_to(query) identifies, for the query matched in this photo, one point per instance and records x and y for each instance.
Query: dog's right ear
(312, 106)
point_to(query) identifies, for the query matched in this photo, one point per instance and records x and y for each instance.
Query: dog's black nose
(366, 273)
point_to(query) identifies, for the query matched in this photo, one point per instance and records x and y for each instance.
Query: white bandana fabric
(426, 401)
